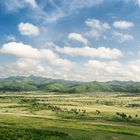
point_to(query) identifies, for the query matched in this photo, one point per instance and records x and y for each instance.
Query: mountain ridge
(34, 83)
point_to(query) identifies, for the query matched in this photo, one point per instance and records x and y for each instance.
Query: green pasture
(51, 116)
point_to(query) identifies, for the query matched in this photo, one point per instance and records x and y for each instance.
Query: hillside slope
(34, 83)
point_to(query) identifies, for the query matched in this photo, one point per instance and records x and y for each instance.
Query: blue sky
(82, 40)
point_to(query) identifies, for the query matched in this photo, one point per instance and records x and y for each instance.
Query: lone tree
(129, 117)
(98, 112)
(117, 113)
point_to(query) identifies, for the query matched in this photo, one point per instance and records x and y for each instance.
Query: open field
(51, 116)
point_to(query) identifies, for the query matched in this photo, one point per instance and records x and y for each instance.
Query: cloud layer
(100, 52)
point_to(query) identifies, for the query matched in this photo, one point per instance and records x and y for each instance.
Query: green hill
(34, 83)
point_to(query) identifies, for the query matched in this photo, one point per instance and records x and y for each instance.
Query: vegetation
(56, 116)
(33, 83)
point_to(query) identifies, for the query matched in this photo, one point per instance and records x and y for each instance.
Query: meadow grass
(51, 116)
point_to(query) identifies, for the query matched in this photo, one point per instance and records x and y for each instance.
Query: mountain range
(37, 83)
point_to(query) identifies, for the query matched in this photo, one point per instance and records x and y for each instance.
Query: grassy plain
(52, 116)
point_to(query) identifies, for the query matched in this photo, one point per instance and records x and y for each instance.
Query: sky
(82, 40)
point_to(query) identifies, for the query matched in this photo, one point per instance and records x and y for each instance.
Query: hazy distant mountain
(34, 83)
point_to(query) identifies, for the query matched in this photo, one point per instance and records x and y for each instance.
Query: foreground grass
(29, 128)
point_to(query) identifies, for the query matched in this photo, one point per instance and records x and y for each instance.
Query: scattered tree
(98, 112)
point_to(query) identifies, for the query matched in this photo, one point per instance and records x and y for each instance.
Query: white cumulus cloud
(77, 37)
(101, 52)
(22, 50)
(122, 24)
(28, 29)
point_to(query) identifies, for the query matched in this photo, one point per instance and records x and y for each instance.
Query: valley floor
(51, 116)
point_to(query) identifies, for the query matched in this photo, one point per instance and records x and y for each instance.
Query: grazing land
(58, 116)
